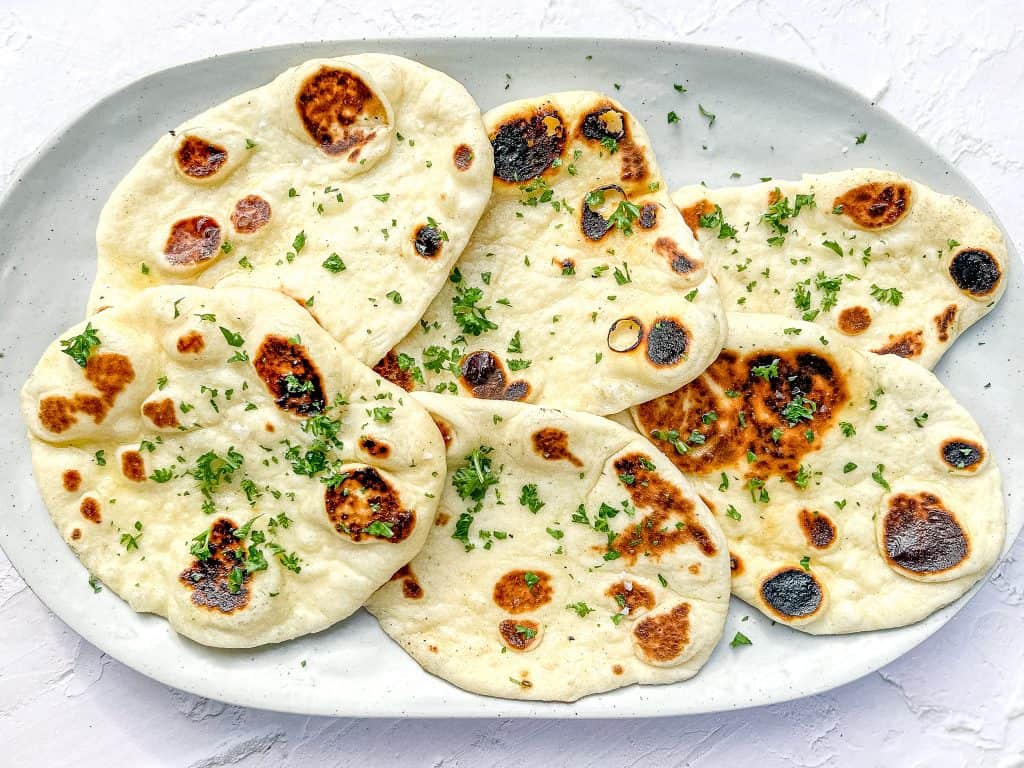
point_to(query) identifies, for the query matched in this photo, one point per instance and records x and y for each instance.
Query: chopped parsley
(581, 609)
(80, 347)
(529, 498)
(739, 639)
(879, 478)
(232, 338)
(886, 295)
(471, 318)
(333, 263)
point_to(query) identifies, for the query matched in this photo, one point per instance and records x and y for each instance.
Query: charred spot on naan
(944, 321)
(527, 144)
(854, 320)
(57, 414)
(593, 225)
(521, 591)
(818, 529)
(553, 444)
(251, 213)
(192, 241)
(199, 158)
(961, 453)
(648, 218)
(921, 536)
(365, 504)
(389, 368)
(678, 260)
(483, 374)
(672, 520)
(109, 373)
(444, 428)
(631, 598)
(692, 213)
(603, 122)
(908, 345)
(463, 157)
(71, 480)
(339, 111)
(376, 448)
(519, 634)
(975, 271)
(606, 125)
(875, 205)
(427, 241)
(766, 413)
(625, 334)
(735, 564)
(162, 413)
(667, 342)
(133, 466)
(90, 510)
(191, 343)
(210, 578)
(661, 639)
(411, 588)
(290, 375)
(792, 593)
(76, 534)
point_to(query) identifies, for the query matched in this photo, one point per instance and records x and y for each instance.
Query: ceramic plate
(773, 119)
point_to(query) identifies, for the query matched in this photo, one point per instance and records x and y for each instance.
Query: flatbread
(350, 184)
(171, 463)
(855, 492)
(553, 304)
(895, 266)
(521, 593)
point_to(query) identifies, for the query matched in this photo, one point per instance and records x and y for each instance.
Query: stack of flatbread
(353, 343)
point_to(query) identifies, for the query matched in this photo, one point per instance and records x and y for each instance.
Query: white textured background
(954, 72)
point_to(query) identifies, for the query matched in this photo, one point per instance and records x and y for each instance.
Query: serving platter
(772, 119)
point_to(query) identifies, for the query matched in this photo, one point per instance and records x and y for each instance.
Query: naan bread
(204, 465)
(589, 565)
(896, 267)
(350, 184)
(559, 302)
(855, 492)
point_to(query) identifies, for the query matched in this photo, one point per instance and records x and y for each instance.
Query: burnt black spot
(363, 498)
(648, 215)
(594, 127)
(922, 536)
(210, 578)
(593, 224)
(792, 592)
(625, 334)
(667, 342)
(484, 375)
(428, 241)
(517, 390)
(962, 454)
(290, 375)
(525, 147)
(975, 271)
(482, 370)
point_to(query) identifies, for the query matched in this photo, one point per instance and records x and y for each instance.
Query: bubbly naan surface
(582, 287)
(896, 267)
(351, 184)
(217, 458)
(569, 557)
(855, 492)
